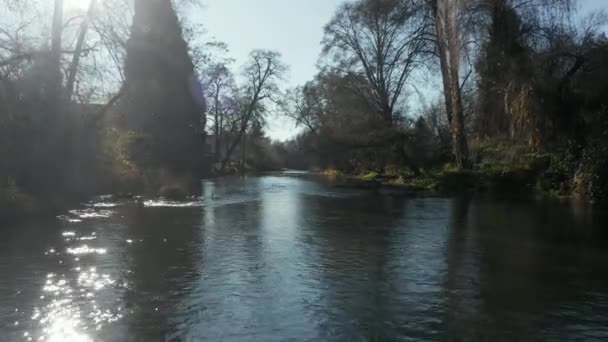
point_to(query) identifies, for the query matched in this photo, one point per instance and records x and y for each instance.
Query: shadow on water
(162, 263)
(526, 269)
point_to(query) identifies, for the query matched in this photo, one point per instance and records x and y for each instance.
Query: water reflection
(90, 213)
(162, 243)
(279, 258)
(72, 303)
(72, 308)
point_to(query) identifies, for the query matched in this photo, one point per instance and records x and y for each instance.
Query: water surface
(286, 257)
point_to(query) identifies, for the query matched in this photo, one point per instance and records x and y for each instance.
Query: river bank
(499, 182)
(497, 169)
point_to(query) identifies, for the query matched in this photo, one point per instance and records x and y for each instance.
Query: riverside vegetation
(134, 98)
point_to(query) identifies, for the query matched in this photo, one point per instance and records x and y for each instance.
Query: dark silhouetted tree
(163, 92)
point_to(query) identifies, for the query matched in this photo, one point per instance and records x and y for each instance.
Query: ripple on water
(104, 205)
(72, 236)
(68, 219)
(161, 203)
(367, 267)
(91, 213)
(84, 249)
(88, 238)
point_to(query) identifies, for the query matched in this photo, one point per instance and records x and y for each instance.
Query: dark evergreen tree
(163, 92)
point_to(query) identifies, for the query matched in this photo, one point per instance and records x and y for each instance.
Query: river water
(285, 257)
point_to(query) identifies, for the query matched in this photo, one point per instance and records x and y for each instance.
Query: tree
(503, 58)
(447, 18)
(261, 74)
(164, 103)
(221, 92)
(382, 40)
(511, 32)
(73, 68)
(220, 86)
(307, 107)
(56, 39)
(344, 126)
(329, 108)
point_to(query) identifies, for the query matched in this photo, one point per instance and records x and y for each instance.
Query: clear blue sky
(292, 27)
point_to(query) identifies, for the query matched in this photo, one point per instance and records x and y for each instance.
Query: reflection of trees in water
(163, 262)
(461, 284)
(416, 268)
(229, 275)
(281, 256)
(350, 240)
(525, 263)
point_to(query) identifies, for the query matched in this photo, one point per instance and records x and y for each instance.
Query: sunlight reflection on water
(71, 307)
(69, 313)
(104, 205)
(91, 213)
(68, 219)
(84, 249)
(171, 204)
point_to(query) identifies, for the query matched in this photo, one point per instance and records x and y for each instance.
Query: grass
(369, 176)
(331, 172)
(498, 167)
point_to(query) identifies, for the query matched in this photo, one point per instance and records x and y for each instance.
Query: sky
(292, 27)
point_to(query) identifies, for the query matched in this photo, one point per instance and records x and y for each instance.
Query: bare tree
(222, 97)
(56, 38)
(382, 40)
(262, 73)
(73, 68)
(306, 106)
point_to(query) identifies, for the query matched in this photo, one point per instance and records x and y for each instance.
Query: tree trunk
(72, 71)
(55, 61)
(459, 140)
(243, 153)
(237, 140)
(445, 15)
(56, 143)
(218, 147)
(216, 114)
(244, 125)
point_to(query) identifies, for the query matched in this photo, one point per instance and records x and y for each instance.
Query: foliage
(162, 98)
(110, 99)
(534, 115)
(56, 143)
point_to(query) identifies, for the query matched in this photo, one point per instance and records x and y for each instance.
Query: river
(287, 257)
